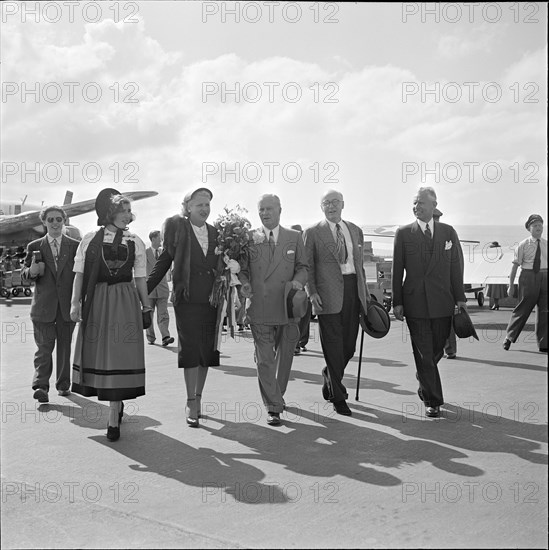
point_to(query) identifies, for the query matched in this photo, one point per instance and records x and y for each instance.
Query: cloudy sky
(291, 98)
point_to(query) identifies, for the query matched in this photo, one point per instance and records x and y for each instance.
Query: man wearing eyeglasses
(337, 288)
(49, 263)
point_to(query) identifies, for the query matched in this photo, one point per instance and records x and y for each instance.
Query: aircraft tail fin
(67, 201)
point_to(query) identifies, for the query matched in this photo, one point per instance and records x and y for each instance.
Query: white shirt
(423, 226)
(349, 267)
(275, 231)
(526, 252)
(202, 236)
(55, 253)
(140, 264)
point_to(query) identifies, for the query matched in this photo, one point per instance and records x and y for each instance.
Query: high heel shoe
(191, 413)
(198, 401)
(495, 308)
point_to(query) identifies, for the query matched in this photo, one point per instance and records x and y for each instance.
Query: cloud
(465, 42)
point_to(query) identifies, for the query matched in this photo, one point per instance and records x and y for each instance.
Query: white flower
(258, 236)
(232, 265)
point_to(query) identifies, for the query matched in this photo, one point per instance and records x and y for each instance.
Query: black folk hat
(102, 204)
(463, 326)
(376, 323)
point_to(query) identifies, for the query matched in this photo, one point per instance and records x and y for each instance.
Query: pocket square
(448, 245)
(290, 252)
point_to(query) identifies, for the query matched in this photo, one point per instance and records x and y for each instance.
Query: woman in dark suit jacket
(189, 243)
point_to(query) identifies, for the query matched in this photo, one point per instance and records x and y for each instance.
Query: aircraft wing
(482, 265)
(487, 266)
(31, 220)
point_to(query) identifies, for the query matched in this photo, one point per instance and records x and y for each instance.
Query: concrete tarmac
(386, 477)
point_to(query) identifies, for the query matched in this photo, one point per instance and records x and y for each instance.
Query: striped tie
(55, 251)
(428, 233)
(341, 246)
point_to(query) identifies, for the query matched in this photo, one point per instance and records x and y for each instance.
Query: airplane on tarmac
(485, 265)
(21, 228)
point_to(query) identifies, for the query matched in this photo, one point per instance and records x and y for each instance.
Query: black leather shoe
(451, 356)
(297, 351)
(168, 340)
(273, 419)
(543, 350)
(432, 412)
(506, 344)
(325, 386)
(113, 434)
(41, 396)
(341, 407)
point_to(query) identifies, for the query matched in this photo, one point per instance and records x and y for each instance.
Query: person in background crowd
(49, 263)
(158, 298)
(531, 256)
(305, 321)
(450, 348)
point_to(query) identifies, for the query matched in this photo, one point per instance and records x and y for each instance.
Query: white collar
(332, 225)
(202, 229)
(51, 239)
(423, 225)
(275, 231)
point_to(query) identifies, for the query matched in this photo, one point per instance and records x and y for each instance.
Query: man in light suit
(159, 296)
(337, 289)
(49, 262)
(430, 253)
(276, 258)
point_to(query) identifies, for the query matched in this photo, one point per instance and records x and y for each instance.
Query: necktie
(537, 258)
(55, 251)
(156, 254)
(271, 245)
(341, 246)
(428, 233)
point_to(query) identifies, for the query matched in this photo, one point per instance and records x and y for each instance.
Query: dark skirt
(109, 358)
(196, 331)
(496, 291)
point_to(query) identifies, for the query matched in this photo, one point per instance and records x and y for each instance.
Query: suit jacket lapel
(279, 248)
(438, 239)
(63, 254)
(419, 238)
(47, 255)
(327, 237)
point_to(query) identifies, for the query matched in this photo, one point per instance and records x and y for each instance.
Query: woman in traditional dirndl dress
(108, 292)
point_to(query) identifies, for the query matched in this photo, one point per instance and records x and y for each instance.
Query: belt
(544, 270)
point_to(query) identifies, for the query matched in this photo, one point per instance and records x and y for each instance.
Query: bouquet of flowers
(233, 240)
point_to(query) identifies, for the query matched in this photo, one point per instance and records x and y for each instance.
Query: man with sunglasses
(337, 289)
(49, 263)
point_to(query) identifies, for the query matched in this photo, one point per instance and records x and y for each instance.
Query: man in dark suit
(159, 296)
(337, 289)
(49, 262)
(276, 258)
(430, 253)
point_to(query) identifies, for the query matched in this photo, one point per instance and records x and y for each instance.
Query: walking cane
(359, 364)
